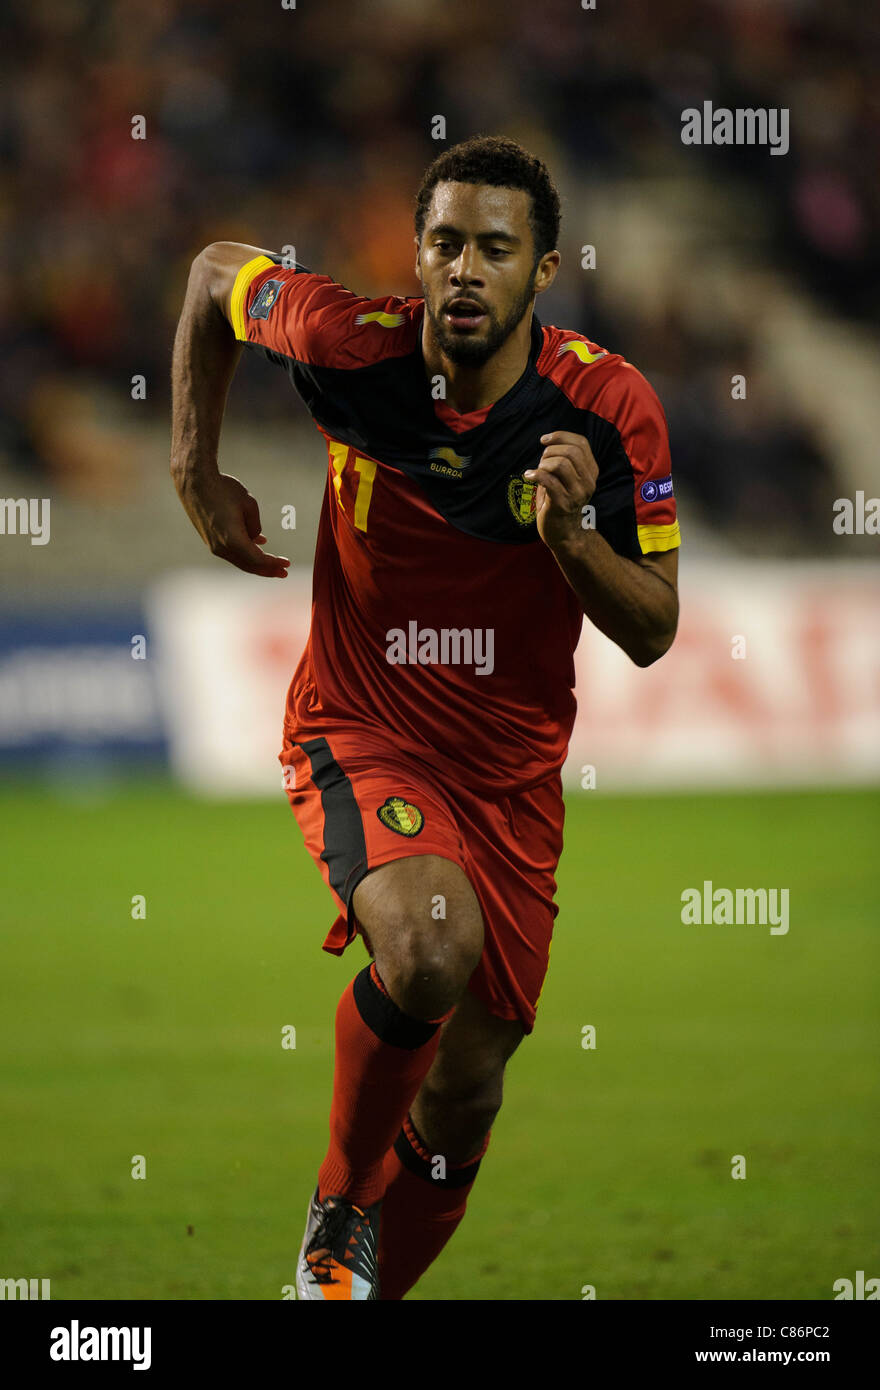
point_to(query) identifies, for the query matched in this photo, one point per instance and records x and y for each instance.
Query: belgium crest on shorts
(522, 499)
(401, 816)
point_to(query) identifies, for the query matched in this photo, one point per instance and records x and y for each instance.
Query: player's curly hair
(503, 163)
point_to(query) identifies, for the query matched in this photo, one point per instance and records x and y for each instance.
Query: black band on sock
(387, 1021)
(424, 1168)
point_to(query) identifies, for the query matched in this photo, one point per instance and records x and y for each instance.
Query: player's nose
(465, 269)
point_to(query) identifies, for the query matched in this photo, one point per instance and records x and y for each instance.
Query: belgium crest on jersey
(522, 499)
(401, 816)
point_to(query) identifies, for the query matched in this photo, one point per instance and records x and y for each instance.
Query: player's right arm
(206, 353)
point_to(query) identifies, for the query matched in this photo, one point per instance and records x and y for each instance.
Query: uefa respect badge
(657, 489)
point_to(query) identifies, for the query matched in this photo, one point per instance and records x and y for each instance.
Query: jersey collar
(516, 398)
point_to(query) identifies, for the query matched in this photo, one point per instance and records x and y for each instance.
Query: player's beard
(475, 351)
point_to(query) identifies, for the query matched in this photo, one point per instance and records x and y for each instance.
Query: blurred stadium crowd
(311, 126)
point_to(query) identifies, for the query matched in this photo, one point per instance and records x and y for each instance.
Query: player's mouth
(465, 313)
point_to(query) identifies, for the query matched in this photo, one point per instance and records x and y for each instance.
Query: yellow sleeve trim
(659, 537)
(242, 281)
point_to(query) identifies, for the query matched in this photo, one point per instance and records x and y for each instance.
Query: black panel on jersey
(387, 412)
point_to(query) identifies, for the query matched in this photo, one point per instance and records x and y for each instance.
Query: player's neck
(473, 388)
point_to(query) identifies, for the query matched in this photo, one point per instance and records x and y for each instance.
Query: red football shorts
(360, 804)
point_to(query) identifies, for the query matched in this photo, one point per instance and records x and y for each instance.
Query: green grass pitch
(608, 1167)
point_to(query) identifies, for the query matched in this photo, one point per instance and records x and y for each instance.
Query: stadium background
(161, 1036)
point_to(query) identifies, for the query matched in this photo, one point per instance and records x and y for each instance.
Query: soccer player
(490, 481)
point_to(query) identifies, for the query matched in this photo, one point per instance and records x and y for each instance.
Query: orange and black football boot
(339, 1254)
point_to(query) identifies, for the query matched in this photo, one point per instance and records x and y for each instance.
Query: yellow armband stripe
(659, 537)
(242, 281)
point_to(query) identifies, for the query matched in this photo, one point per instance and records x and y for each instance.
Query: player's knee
(427, 971)
(430, 973)
(430, 937)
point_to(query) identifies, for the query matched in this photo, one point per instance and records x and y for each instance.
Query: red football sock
(382, 1058)
(419, 1211)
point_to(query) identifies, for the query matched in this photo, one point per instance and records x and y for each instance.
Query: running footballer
(491, 480)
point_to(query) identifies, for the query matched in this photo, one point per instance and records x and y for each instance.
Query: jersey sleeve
(637, 506)
(292, 313)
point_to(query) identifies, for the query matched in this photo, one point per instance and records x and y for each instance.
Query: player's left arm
(634, 602)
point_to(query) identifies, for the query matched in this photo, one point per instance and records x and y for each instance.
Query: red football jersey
(442, 625)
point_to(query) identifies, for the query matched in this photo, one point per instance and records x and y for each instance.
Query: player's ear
(418, 257)
(546, 270)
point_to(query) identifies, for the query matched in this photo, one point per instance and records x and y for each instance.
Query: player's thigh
(420, 914)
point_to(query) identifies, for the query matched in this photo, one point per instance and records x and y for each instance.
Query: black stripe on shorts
(345, 848)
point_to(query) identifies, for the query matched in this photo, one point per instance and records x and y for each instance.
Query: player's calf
(455, 1114)
(462, 1093)
(425, 927)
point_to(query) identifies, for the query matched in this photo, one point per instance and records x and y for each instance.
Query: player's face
(477, 267)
